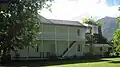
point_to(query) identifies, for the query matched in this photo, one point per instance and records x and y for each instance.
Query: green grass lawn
(105, 62)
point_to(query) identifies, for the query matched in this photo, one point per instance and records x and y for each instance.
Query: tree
(19, 23)
(102, 39)
(116, 36)
(90, 21)
(116, 40)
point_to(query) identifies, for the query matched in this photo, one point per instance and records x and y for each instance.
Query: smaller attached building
(99, 45)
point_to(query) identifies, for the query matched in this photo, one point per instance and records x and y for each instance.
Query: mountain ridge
(109, 26)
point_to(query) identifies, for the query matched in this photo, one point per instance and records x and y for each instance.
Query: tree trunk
(99, 30)
(91, 44)
(3, 56)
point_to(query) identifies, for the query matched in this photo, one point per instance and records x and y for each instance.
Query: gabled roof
(60, 22)
(66, 22)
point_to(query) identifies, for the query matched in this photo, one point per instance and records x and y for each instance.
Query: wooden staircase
(67, 49)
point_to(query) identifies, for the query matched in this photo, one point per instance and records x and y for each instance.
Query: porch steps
(67, 49)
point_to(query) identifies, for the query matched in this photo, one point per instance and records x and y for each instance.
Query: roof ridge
(60, 22)
(63, 20)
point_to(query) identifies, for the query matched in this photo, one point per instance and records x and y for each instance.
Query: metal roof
(60, 22)
(100, 45)
(66, 22)
(44, 20)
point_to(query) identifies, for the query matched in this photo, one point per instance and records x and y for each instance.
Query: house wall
(49, 46)
(85, 48)
(55, 39)
(74, 50)
(97, 50)
(47, 32)
(61, 32)
(61, 46)
(94, 29)
(73, 35)
(44, 47)
(52, 32)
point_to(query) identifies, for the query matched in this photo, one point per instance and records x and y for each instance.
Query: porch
(51, 49)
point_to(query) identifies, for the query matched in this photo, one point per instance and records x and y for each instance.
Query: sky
(79, 9)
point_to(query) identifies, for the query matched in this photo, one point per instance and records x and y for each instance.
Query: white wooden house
(62, 38)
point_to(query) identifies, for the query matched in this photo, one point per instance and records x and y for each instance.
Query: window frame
(37, 48)
(78, 32)
(47, 54)
(78, 48)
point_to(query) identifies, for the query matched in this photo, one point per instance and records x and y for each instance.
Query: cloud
(78, 9)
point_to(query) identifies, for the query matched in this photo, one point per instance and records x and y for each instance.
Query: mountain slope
(109, 26)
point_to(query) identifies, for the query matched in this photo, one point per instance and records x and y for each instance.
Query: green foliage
(99, 24)
(116, 35)
(86, 20)
(91, 21)
(118, 20)
(116, 40)
(19, 23)
(99, 39)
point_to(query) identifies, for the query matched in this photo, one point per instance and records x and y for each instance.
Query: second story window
(37, 48)
(48, 54)
(78, 32)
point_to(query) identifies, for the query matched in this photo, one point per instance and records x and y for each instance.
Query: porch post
(68, 38)
(55, 42)
(28, 52)
(42, 43)
(102, 49)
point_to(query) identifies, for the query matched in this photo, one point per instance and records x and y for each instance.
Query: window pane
(40, 55)
(48, 54)
(78, 32)
(37, 48)
(78, 48)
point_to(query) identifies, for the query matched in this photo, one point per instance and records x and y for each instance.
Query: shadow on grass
(38, 63)
(116, 62)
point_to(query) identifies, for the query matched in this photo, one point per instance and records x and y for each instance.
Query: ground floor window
(36, 48)
(78, 48)
(44, 54)
(41, 54)
(48, 54)
(101, 48)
